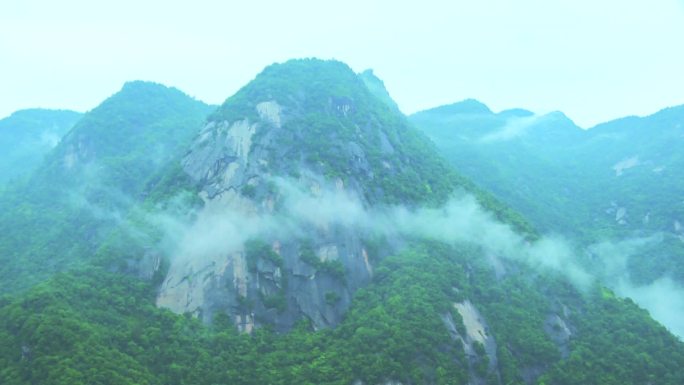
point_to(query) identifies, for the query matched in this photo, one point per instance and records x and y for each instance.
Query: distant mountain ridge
(27, 136)
(618, 180)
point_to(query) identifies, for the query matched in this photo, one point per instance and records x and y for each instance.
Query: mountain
(560, 161)
(615, 189)
(377, 87)
(514, 154)
(27, 136)
(587, 185)
(55, 218)
(306, 126)
(633, 152)
(309, 233)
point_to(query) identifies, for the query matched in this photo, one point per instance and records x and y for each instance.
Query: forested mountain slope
(56, 217)
(619, 180)
(308, 233)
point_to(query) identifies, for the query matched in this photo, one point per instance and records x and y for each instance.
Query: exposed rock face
(77, 151)
(260, 250)
(560, 333)
(220, 151)
(270, 112)
(625, 164)
(620, 215)
(309, 276)
(477, 343)
(476, 332)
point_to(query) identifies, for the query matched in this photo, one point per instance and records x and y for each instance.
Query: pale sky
(594, 60)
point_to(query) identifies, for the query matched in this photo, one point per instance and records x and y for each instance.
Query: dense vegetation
(620, 179)
(87, 210)
(56, 218)
(94, 327)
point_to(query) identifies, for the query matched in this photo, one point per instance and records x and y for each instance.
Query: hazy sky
(594, 60)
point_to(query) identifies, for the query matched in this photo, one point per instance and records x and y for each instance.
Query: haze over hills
(56, 217)
(304, 231)
(27, 136)
(615, 188)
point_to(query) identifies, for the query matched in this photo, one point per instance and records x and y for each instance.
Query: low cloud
(221, 229)
(460, 220)
(663, 298)
(514, 128)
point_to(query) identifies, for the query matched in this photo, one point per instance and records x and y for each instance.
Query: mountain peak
(314, 65)
(515, 113)
(305, 84)
(139, 88)
(467, 106)
(561, 119)
(141, 84)
(31, 113)
(322, 114)
(308, 73)
(666, 118)
(377, 88)
(125, 122)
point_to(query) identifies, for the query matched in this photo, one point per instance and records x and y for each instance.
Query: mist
(514, 128)
(663, 298)
(221, 228)
(460, 220)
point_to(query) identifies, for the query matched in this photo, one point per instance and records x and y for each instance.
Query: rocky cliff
(322, 136)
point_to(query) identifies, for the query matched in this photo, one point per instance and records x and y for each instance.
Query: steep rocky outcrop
(322, 132)
(234, 161)
(478, 344)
